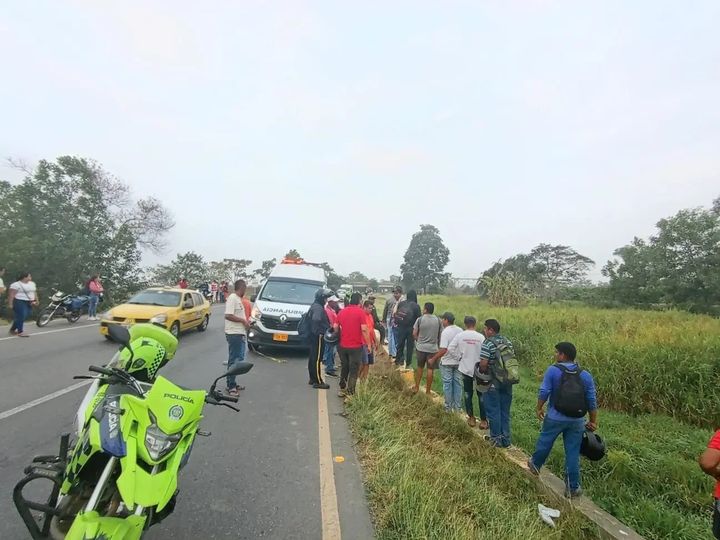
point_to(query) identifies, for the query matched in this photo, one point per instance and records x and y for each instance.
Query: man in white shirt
(466, 347)
(236, 326)
(451, 376)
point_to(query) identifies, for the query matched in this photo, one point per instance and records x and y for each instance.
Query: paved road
(258, 476)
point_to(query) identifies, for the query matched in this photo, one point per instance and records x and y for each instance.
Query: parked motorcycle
(121, 477)
(70, 306)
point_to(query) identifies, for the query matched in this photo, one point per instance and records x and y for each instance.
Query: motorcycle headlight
(158, 443)
(161, 319)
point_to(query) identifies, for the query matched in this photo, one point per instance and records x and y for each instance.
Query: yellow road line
(328, 495)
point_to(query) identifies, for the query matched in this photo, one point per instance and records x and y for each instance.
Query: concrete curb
(609, 527)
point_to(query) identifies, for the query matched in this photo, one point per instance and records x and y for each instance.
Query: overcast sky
(337, 128)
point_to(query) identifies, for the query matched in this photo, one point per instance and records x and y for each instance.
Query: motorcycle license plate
(280, 337)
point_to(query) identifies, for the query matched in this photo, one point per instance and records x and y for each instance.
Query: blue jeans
(572, 432)
(93, 300)
(236, 353)
(452, 387)
(392, 348)
(329, 358)
(468, 391)
(21, 311)
(497, 402)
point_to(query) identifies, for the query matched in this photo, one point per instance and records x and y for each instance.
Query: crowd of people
(477, 367)
(215, 291)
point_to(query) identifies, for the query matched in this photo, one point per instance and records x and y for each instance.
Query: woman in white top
(22, 296)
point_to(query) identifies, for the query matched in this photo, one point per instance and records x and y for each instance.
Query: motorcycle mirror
(238, 369)
(241, 368)
(119, 334)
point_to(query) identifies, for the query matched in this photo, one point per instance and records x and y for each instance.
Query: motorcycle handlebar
(101, 370)
(231, 399)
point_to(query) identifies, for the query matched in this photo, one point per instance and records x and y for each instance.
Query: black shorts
(716, 518)
(423, 359)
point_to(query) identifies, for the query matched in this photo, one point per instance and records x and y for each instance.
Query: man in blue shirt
(555, 422)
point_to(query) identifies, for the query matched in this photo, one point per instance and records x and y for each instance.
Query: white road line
(38, 401)
(328, 496)
(54, 331)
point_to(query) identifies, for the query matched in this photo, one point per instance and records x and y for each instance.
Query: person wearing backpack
(497, 358)
(406, 313)
(318, 323)
(571, 391)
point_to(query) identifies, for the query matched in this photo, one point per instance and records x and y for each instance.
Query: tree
(293, 254)
(70, 218)
(559, 266)
(266, 267)
(677, 266)
(334, 280)
(543, 272)
(425, 261)
(230, 270)
(358, 276)
(374, 284)
(190, 266)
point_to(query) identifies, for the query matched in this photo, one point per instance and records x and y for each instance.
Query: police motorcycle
(121, 474)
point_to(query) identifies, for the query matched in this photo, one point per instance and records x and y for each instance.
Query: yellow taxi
(177, 310)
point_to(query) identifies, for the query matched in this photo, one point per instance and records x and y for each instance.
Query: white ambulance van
(281, 301)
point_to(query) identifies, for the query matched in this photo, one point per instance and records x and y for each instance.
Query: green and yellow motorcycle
(121, 476)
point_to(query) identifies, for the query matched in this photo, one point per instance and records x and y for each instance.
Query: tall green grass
(643, 361)
(430, 477)
(650, 478)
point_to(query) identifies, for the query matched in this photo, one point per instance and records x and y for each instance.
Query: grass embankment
(650, 479)
(430, 477)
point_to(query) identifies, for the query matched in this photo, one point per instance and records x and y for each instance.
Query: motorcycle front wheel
(45, 317)
(73, 317)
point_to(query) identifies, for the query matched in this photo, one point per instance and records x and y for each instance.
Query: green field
(657, 375)
(429, 477)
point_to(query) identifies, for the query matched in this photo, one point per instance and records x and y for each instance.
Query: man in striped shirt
(498, 398)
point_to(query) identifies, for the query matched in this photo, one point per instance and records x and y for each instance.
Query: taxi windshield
(156, 298)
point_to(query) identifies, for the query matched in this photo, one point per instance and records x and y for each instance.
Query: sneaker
(225, 363)
(322, 386)
(573, 493)
(331, 374)
(233, 392)
(532, 468)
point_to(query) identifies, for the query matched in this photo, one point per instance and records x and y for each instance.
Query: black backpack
(569, 398)
(303, 327)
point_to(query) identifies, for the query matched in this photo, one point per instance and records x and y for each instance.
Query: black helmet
(592, 447)
(332, 336)
(482, 380)
(322, 294)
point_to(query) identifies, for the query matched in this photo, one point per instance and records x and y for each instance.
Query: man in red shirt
(710, 464)
(353, 335)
